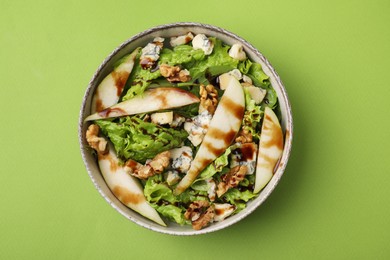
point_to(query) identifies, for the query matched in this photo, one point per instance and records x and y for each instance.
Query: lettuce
(190, 195)
(238, 198)
(182, 54)
(216, 166)
(252, 115)
(140, 81)
(249, 180)
(216, 63)
(133, 138)
(172, 212)
(233, 195)
(155, 190)
(198, 64)
(244, 66)
(161, 198)
(189, 110)
(249, 102)
(136, 90)
(260, 79)
(200, 185)
(270, 99)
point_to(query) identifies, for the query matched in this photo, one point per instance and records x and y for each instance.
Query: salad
(186, 129)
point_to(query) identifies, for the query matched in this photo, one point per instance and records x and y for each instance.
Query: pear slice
(110, 89)
(125, 187)
(222, 130)
(270, 149)
(151, 100)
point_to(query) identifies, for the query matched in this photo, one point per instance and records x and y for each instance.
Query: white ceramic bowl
(142, 39)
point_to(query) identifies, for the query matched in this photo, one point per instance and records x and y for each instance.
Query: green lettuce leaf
(190, 195)
(133, 138)
(216, 166)
(216, 63)
(250, 104)
(270, 99)
(155, 190)
(233, 195)
(181, 54)
(252, 115)
(200, 185)
(249, 180)
(137, 89)
(189, 110)
(172, 212)
(238, 198)
(140, 81)
(244, 66)
(259, 78)
(161, 198)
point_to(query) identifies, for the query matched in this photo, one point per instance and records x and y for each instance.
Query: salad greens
(140, 79)
(216, 63)
(141, 137)
(139, 140)
(260, 79)
(181, 54)
(217, 166)
(198, 64)
(252, 116)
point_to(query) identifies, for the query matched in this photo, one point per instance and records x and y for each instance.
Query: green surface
(333, 201)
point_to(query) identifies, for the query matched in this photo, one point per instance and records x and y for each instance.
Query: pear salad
(186, 129)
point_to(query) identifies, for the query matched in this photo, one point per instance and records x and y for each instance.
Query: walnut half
(174, 73)
(156, 166)
(200, 213)
(96, 142)
(231, 179)
(208, 98)
(244, 136)
(160, 162)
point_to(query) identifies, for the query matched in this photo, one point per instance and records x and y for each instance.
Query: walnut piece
(156, 166)
(132, 166)
(160, 162)
(194, 211)
(174, 73)
(244, 136)
(96, 142)
(231, 179)
(208, 98)
(204, 219)
(200, 213)
(144, 172)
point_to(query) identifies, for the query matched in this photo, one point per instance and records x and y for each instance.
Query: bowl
(141, 39)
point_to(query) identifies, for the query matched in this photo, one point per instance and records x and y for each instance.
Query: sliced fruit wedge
(221, 133)
(125, 187)
(110, 89)
(151, 100)
(270, 149)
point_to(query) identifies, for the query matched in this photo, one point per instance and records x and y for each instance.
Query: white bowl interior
(141, 40)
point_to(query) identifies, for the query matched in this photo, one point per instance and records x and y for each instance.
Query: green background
(333, 201)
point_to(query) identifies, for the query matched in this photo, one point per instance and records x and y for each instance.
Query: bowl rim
(287, 142)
